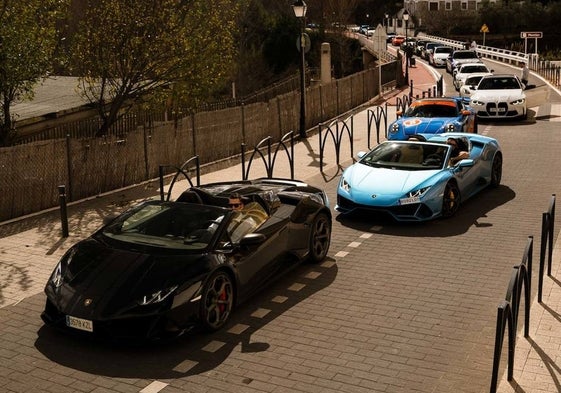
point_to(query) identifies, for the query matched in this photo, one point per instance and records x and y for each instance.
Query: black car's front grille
(126, 329)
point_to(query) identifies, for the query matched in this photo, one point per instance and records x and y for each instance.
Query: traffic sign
(484, 29)
(531, 34)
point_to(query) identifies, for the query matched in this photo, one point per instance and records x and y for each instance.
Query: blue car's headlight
(418, 192)
(157, 297)
(345, 185)
(450, 127)
(394, 128)
(519, 101)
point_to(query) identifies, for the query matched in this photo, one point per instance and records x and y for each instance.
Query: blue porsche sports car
(415, 180)
(434, 116)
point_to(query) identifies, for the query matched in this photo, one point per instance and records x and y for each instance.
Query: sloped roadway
(395, 307)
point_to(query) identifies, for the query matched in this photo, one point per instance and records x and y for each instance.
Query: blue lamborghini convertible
(434, 116)
(415, 181)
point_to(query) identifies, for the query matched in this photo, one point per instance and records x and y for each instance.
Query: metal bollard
(63, 212)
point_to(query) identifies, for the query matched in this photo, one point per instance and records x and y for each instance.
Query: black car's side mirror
(252, 239)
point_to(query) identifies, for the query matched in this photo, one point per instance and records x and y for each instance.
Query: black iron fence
(508, 310)
(507, 313)
(548, 220)
(264, 150)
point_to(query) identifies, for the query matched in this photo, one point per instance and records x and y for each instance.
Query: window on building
(448, 6)
(464, 5)
(433, 6)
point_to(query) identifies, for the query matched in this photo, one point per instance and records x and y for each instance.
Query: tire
(450, 200)
(217, 301)
(496, 171)
(320, 238)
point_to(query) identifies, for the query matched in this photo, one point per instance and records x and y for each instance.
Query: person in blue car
(459, 151)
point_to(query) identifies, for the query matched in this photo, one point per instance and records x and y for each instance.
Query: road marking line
(238, 329)
(185, 366)
(260, 313)
(296, 287)
(154, 387)
(341, 254)
(354, 244)
(213, 346)
(366, 236)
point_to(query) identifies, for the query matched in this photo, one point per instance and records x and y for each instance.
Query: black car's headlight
(418, 192)
(345, 185)
(57, 277)
(519, 101)
(157, 297)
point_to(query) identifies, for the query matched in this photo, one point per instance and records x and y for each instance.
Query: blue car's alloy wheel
(450, 200)
(496, 170)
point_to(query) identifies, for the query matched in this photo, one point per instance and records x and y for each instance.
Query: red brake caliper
(222, 296)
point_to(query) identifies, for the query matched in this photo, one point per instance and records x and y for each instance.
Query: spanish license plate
(408, 201)
(79, 323)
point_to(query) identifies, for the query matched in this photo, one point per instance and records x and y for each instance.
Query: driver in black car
(251, 216)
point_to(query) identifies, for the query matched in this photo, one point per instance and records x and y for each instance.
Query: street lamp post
(406, 19)
(386, 16)
(299, 8)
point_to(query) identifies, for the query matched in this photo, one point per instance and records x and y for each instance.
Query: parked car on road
(163, 268)
(429, 46)
(415, 181)
(420, 47)
(398, 40)
(458, 57)
(470, 84)
(438, 56)
(433, 116)
(466, 69)
(502, 96)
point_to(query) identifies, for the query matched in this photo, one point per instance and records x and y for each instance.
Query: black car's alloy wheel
(496, 170)
(217, 301)
(320, 238)
(450, 200)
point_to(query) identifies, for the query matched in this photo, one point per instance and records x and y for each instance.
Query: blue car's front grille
(411, 212)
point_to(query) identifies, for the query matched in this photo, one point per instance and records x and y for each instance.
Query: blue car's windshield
(407, 156)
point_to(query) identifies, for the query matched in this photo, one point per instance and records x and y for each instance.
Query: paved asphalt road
(395, 308)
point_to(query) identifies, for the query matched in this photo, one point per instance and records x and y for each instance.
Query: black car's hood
(101, 282)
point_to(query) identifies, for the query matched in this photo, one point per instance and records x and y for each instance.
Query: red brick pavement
(36, 242)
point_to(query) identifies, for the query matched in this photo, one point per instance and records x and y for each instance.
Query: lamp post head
(299, 8)
(405, 15)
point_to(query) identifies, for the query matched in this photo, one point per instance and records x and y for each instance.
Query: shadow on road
(473, 212)
(193, 353)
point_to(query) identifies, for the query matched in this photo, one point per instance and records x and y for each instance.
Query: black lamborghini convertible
(162, 268)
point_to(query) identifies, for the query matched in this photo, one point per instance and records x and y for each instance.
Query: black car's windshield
(181, 226)
(407, 156)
